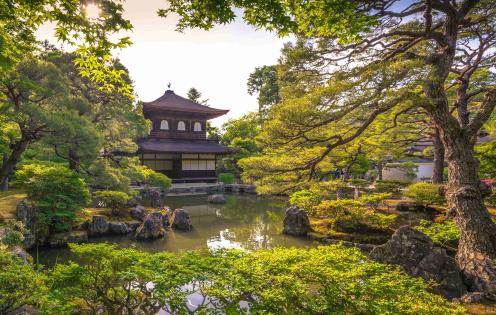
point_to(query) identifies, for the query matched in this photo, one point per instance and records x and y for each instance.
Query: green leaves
(93, 37)
(324, 18)
(323, 280)
(57, 192)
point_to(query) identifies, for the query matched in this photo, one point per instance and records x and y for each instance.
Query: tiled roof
(172, 102)
(182, 146)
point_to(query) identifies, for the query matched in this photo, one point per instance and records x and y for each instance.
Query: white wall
(424, 171)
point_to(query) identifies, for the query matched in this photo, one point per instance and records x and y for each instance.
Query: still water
(245, 221)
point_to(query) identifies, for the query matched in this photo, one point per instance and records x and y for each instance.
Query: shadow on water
(245, 221)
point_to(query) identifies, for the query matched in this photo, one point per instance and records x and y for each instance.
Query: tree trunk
(437, 172)
(477, 244)
(10, 163)
(4, 185)
(380, 168)
(74, 159)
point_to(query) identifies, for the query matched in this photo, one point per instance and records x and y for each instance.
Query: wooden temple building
(177, 145)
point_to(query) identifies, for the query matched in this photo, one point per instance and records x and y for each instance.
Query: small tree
(114, 200)
(56, 191)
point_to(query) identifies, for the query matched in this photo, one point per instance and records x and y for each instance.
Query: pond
(248, 222)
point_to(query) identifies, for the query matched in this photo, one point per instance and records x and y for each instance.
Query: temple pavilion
(177, 145)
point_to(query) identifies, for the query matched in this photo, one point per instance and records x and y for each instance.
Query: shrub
(105, 176)
(114, 200)
(13, 233)
(491, 200)
(352, 215)
(155, 179)
(389, 186)
(20, 284)
(227, 178)
(305, 199)
(444, 233)
(424, 193)
(56, 191)
(374, 200)
(321, 280)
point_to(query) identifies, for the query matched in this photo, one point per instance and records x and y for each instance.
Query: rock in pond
(180, 220)
(117, 228)
(138, 213)
(22, 254)
(152, 227)
(296, 222)
(418, 255)
(132, 226)
(98, 225)
(217, 199)
(64, 238)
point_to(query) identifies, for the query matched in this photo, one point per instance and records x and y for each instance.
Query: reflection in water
(244, 221)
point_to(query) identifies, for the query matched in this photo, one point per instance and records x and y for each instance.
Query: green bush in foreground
(323, 280)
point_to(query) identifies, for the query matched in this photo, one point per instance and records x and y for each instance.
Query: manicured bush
(227, 178)
(114, 200)
(324, 280)
(352, 216)
(391, 186)
(374, 200)
(56, 192)
(305, 199)
(155, 179)
(445, 233)
(424, 194)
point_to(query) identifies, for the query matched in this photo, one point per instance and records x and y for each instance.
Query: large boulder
(98, 225)
(22, 254)
(217, 199)
(25, 213)
(132, 226)
(138, 213)
(180, 220)
(296, 222)
(152, 227)
(155, 198)
(118, 228)
(419, 256)
(37, 231)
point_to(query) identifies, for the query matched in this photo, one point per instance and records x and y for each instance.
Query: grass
(8, 203)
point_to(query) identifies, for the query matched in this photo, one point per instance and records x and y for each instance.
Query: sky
(216, 62)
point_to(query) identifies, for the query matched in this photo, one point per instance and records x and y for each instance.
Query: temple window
(164, 125)
(181, 126)
(197, 127)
